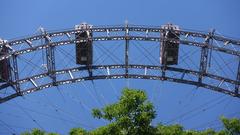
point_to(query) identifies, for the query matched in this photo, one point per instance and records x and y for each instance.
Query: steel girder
(120, 76)
(114, 38)
(49, 46)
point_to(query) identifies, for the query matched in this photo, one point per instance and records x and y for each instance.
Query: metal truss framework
(127, 36)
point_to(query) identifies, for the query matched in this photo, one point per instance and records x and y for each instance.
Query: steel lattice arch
(17, 80)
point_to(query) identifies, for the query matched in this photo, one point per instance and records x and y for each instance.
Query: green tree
(36, 131)
(132, 115)
(110, 129)
(232, 126)
(78, 131)
(169, 130)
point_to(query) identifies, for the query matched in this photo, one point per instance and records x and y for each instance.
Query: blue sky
(21, 18)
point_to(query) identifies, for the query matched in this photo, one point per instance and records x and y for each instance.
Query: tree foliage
(77, 131)
(36, 131)
(232, 126)
(133, 115)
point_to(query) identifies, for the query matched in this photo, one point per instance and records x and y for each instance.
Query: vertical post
(11, 66)
(90, 48)
(15, 74)
(126, 48)
(163, 52)
(51, 61)
(204, 56)
(203, 62)
(50, 56)
(238, 77)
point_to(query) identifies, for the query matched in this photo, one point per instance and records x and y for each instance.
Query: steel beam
(126, 48)
(203, 63)
(134, 76)
(114, 38)
(15, 75)
(120, 76)
(204, 56)
(150, 67)
(5, 85)
(50, 57)
(162, 56)
(121, 29)
(49, 46)
(238, 78)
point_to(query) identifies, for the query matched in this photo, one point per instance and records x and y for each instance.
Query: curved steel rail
(123, 29)
(182, 33)
(120, 76)
(107, 38)
(184, 40)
